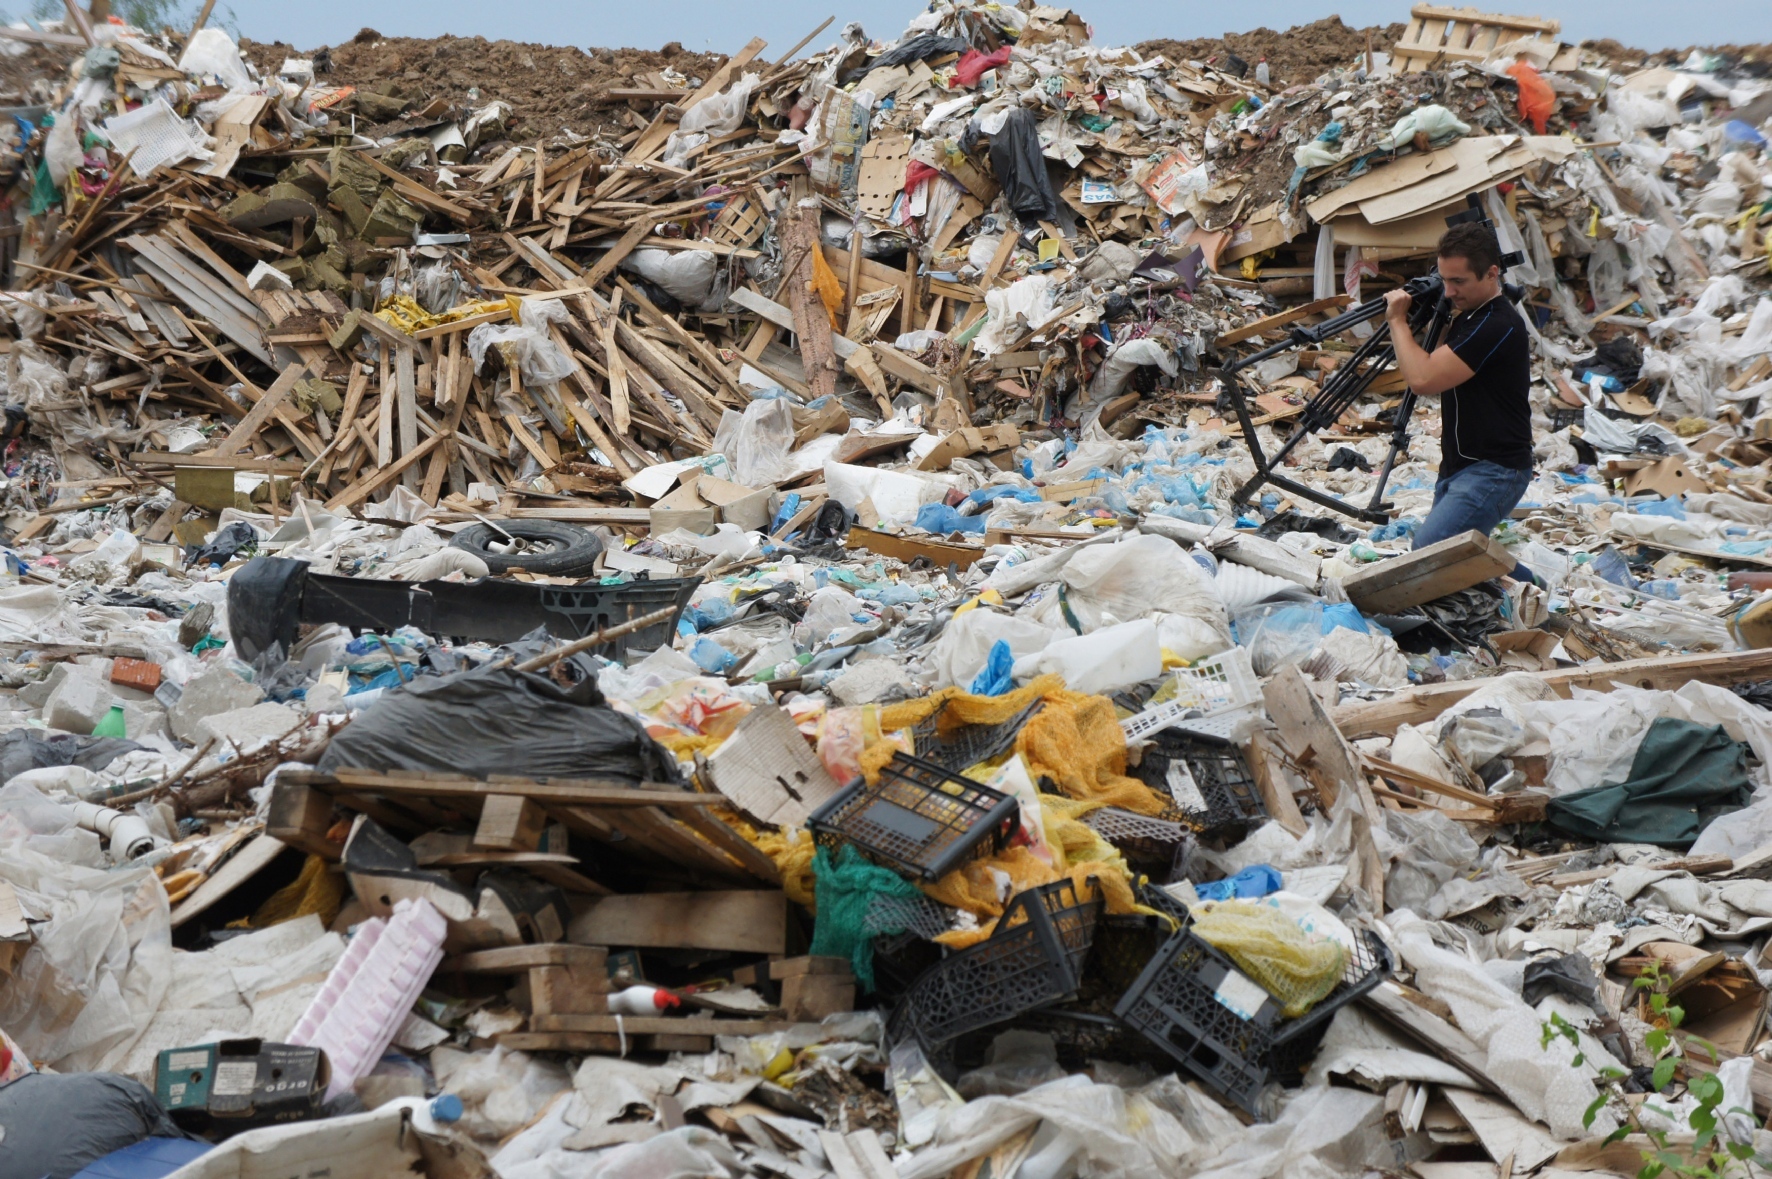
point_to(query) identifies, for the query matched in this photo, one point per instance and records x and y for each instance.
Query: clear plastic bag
(757, 443)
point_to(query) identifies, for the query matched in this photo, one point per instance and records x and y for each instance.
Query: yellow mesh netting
(315, 891)
(1271, 949)
(791, 850)
(1080, 854)
(1075, 739)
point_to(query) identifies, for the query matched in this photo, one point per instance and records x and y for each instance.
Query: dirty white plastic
(1101, 661)
(1218, 683)
(128, 835)
(355, 1015)
(642, 1000)
(431, 1115)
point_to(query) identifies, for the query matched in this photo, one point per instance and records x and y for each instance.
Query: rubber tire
(574, 554)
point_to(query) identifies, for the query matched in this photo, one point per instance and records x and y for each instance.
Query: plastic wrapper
(501, 1091)
(1540, 1079)
(963, 646)
(212, 53)
(686, 275)
(1141, 576)
(1294, 968)
(527, 344)
(1112, 376)
(758, 441)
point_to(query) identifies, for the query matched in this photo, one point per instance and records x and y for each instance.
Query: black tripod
(1429, 311)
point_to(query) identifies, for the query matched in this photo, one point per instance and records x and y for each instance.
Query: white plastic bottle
(432, 1115)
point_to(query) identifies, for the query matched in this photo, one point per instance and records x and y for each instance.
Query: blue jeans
(1478, 497)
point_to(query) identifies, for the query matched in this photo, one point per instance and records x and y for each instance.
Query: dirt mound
(551, 87)
(1299, 54)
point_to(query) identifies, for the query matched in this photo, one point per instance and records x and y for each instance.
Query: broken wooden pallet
(560, 979)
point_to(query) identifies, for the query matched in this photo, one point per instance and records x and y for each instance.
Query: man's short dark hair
(1474, 243)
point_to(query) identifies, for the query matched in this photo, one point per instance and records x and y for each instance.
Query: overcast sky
(724, 26)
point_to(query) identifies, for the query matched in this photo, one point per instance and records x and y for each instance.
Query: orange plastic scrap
(1537, 98)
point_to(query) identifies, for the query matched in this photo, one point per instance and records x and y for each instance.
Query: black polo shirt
(1488, 416)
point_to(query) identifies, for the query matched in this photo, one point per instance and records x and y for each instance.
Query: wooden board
(940, 553)
(1380, 718)
(740, 921)
(639, 1025)
(561, 791)
(1502, 1130)
(1328, 762)
(1442, 568)
(242, 866)
(513, 959)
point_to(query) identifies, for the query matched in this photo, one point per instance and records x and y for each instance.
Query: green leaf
(1580, 1059)
(1706, 1089)
(1593, 1111)
(1703, 1120)
(1617, 1135)
(1739, 1150)
(1656, 1041)
(1664, 1072)
(1651, 1168)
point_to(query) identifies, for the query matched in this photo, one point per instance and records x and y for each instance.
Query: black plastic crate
(1159, 848)
(1033, 960)
(1175, 1004)
(1124, 946)
(918, 817)
(1230, 805)
(967, 745)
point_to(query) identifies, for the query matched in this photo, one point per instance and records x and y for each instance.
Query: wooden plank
(606, 265)
(644, 1024)
(560, 791)
(781, 317)
(1328, 762)
(514, 959)
(1269, 322)
(248, 427)
(812, 320)
(607, 1044)
(510, 822)
(1380, 718)
(1442, 568)
(1449, 1043)
(1502, 1130)
(255, 856)
(363, 488)
(300, 816)
(743, 921)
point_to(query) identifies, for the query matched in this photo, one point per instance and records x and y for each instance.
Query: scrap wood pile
(745, 643)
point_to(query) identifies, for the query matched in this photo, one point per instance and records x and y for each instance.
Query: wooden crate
(1439, 36)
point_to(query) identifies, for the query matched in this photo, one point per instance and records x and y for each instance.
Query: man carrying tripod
(1481, 371)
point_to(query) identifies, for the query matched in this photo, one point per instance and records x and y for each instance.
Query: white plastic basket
(1217, 684)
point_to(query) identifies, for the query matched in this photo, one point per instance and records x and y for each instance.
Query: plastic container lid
(446, 1107)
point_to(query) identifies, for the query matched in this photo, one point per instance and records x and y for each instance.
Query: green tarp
(1684, 775)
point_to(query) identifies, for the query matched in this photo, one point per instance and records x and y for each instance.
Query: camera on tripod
(1429, 311)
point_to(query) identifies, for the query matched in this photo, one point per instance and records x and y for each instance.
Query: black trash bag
(1020, 168)
(1346, 458)
(129, 599)
(230, 541)
(1757, 693)
(53, 1125)
(918, 48)
(1571, 975)
(31, 749)
(264, 604)
(498, 720)
(1685, 776)
(1619, 357)
(1279, 524)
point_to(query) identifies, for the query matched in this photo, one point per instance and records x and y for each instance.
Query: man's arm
(1428, 374)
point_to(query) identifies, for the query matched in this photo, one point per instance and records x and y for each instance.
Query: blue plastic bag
(1257, 880)
(996, 678)
(942, 519)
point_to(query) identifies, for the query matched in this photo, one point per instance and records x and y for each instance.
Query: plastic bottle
(1261, 71)
(432, 1115)
(642, 1000)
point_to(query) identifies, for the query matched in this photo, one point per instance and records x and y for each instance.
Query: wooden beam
(742, 921)
(1381, 718)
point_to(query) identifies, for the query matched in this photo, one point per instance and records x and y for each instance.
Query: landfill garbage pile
(841, 615)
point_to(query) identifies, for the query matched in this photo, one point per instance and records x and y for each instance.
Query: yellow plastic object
(1081, 855)
(314, 890)
(405, 313)
(1075, 740)
(829, 288)
(1271, 949)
